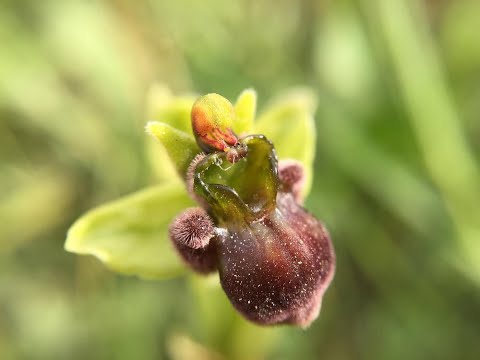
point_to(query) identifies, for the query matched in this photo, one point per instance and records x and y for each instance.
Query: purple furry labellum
(274, 258)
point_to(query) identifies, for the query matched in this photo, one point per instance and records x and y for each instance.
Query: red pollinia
(274, 258)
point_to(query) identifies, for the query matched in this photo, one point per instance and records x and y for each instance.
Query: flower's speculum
(274, 258)
(243, 191)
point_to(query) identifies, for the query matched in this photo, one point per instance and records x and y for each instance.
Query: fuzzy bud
(190, 233)
(192, 228)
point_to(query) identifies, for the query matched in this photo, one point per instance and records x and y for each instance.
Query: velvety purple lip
(274, 258)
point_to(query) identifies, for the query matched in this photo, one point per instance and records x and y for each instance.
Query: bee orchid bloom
(275, 259)
(235, 208)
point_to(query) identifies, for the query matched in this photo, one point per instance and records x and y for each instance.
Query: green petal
(245, 109)
(289, 124)
(130, 235)
(172, 110)
(163, 106)
(162, 166)
(180, 146)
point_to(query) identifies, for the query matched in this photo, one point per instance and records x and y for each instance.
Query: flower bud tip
(212, 120)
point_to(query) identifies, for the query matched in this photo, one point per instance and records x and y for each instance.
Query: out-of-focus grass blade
(434, 118)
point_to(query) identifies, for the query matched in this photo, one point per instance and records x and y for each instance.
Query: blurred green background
(396, 173)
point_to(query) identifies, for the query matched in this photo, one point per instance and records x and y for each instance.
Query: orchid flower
(232, 205)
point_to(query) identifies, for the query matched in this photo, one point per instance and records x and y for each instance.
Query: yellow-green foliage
(396, 171)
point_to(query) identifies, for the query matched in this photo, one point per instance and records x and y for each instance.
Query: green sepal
(245, 110)
(180, 146)
(172, 110)
(290, 126)
(130, 235)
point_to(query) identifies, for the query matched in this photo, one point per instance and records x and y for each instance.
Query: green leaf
(245, 109)
(289, 124)
(130, 235)
(180, 146)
